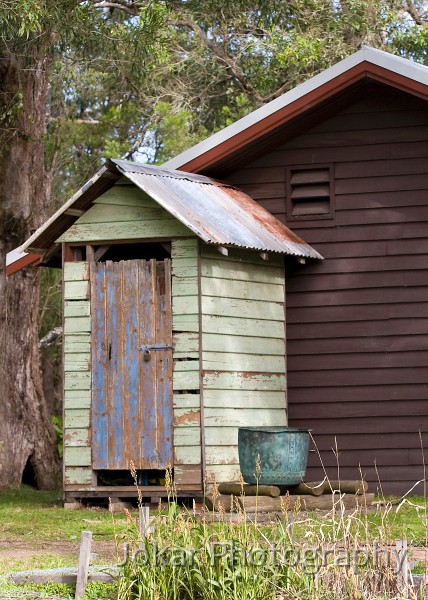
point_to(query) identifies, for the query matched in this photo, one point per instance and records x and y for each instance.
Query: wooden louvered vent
(310, 192)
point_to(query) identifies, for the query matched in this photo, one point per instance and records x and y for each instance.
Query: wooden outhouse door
(131, 385)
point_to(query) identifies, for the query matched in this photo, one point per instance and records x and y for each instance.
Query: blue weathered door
(131, 390)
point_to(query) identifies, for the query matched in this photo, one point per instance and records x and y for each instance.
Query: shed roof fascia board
(15, 261)
(367, 62)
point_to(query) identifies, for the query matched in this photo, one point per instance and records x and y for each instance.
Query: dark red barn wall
(358, 322)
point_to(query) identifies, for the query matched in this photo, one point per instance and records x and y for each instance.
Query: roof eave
(32, 244)
(18, 262)
(366, 63)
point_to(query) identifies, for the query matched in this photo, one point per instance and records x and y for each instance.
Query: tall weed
(235, 555)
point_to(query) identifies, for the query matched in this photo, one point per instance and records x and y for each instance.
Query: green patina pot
(283, 454)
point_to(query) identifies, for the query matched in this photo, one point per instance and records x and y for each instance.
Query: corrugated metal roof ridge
(390, 62)
(272, 244)
(127, 166)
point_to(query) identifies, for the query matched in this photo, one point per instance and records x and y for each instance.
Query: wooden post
(83, 568)
(145, 527)
(402, 563)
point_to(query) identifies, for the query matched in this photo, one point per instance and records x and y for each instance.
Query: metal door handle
(148, 347)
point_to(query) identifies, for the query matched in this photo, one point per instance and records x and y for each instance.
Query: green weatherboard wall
(228, 319)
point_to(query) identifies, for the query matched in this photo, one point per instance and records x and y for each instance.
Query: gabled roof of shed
(300, 108)
(217, 213)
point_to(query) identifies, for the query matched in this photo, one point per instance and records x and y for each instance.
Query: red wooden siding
(357, 324)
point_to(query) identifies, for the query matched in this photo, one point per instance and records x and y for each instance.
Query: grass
(27, 514)
(36, 532)
(58, 591)
(395, 520)
(36, 521)
(337, 556)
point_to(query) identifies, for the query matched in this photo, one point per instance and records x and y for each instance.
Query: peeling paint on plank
(77, 419)
(77, 437)
(76, 290)
(77, 476)
(186, 417)
(126, 230)
(77, 308)
(187, 436)
(248, 309)
(245, 327)
(218, 473)
(262, 363)
(244, 381)
(77, 381)
(187, 455)
(76, 271)
(186, 401)
(77, 456)
(77, 399)
(243, 417)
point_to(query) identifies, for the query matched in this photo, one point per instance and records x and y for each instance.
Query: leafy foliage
(59, 432)
(152, 78)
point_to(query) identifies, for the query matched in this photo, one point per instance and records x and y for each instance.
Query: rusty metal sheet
(216, 212)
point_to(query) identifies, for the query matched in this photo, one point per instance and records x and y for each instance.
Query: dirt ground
(105, 551)
(18, 551)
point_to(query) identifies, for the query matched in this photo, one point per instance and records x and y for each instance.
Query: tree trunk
(26, 432)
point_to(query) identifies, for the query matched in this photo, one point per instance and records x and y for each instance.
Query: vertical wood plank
(164, 430)
(148, 399)
(130, 388)
(99, 369)
(114, 319)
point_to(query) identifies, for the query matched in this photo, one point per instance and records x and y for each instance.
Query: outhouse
(174, 327)
(343, 160)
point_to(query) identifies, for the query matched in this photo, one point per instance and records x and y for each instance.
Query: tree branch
(234, 68)
(52, 337)
(118, 6)
(416, 16)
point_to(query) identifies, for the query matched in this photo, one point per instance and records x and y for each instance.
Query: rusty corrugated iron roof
(216, 212)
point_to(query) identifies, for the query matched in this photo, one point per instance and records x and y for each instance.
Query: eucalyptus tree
(227, 58)
(46, 46)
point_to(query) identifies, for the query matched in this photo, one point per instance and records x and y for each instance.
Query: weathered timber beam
(100, 252)
(249, 490)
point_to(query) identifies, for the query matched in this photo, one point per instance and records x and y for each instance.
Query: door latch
(148, 347)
